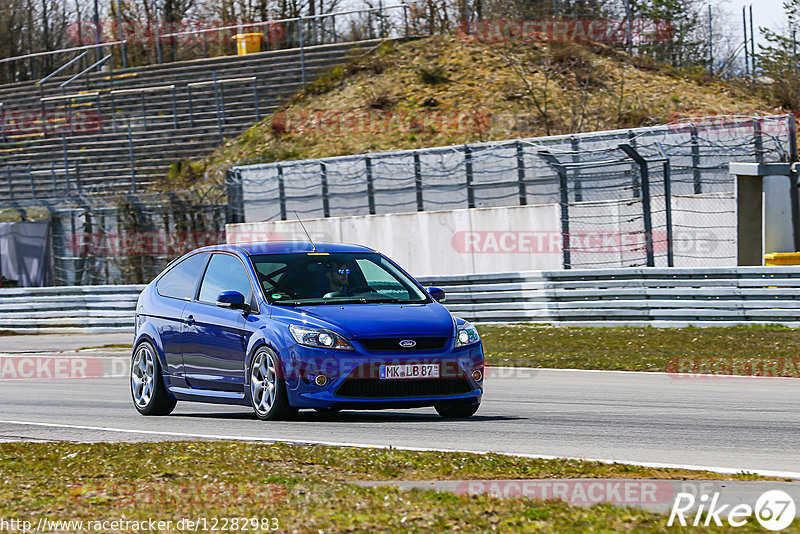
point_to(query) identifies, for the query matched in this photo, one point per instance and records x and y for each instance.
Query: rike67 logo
(774, 510)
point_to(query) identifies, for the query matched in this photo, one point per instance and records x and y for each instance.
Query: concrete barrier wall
(521, 238)
(436, 242)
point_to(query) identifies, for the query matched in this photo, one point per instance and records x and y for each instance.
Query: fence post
(234, 212)
(130, 159)
(523, 194)
(370, 186)
(380, 19)
(759, 140)
(794, 194)
(281, 192)
(468, 166)
(159, 59)
(205, 43)
(698, 181)
(123, 47)
(302, 51)
(668, 206)
(326, 207)
(577, 178)
(405, 18)
(646, 210)
(636, 184)
(418, 182)
(563, 188)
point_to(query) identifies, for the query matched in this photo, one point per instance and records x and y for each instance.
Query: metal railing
(610, 297)
(296, 32)
(656, 297)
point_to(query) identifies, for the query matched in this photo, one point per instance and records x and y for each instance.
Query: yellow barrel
(248, 43)
(782, 258)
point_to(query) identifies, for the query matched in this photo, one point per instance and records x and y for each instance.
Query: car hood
(355, 321)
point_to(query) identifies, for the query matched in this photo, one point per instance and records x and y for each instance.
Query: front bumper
(351, 377)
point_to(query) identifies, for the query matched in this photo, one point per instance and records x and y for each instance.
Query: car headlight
(319, 337)
(466, 334)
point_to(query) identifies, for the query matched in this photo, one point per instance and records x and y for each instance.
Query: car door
(215, 339)
(176, 288)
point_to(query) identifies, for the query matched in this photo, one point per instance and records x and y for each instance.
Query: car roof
(286, 247)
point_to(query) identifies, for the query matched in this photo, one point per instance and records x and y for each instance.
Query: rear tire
(148, 391)
(268, 388)
(456, 410)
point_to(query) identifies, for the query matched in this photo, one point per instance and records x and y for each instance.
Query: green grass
(305, 487)
(634, 348)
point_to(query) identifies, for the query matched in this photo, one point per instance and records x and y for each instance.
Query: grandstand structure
(115, 132)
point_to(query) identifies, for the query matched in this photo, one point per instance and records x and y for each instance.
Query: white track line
(723, 470)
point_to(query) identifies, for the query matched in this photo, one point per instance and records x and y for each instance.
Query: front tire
(456, 410)
(149, 393)
(268, 388)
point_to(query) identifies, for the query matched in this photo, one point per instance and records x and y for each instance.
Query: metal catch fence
(652, 193)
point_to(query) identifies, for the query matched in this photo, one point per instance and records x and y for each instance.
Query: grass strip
(305, 487)
(746, 350)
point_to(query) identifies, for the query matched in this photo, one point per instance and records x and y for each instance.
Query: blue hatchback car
(286, 325)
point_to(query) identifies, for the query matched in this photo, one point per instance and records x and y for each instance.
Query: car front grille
(363, 382)
(392, 344)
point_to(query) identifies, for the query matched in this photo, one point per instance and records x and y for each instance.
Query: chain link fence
(659, 196)
(126, 239)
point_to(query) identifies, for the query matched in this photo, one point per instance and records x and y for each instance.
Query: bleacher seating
(171, 110)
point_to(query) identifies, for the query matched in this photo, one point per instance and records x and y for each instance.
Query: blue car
(286, 325)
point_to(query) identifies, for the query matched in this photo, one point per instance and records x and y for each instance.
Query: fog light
(477, 375)
(321, 380)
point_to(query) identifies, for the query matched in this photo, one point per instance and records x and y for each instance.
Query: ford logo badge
(408, 343)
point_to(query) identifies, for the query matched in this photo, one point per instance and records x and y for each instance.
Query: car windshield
(312, 278)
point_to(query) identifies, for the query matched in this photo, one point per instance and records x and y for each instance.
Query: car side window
(382, 281)
(180, 282)
(224, 273)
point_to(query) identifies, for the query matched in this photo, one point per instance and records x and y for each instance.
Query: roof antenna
(313, 246)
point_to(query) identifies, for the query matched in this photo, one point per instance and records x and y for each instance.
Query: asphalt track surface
(730, 424)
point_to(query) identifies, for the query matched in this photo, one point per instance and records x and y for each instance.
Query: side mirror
(436, 293)
(233, 300)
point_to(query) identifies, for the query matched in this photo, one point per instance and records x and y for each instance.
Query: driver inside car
(338, 280)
